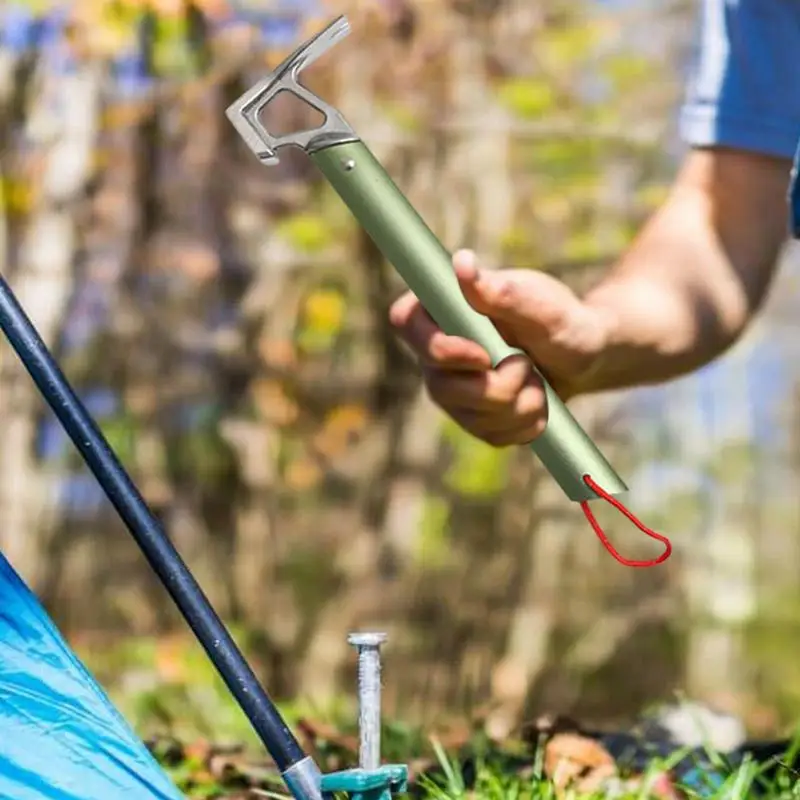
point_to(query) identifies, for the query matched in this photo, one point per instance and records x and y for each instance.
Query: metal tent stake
(368, 646)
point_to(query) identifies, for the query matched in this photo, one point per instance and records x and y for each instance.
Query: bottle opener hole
(287, 113)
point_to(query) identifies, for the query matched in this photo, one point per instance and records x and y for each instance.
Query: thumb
(525, 300)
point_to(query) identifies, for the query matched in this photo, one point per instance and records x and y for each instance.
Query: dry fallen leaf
(273, 403)
(302, 474)
(170, 659)
(277, 353)
(575, 762)
(342, 427)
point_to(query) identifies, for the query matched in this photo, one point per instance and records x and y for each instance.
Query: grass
(491, 784)
(745, 782)
(496, 775)
(179, 705)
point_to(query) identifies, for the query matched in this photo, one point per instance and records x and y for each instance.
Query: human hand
(534, 312)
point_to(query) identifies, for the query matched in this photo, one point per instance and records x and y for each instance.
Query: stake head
(245, 113)
(367, 639)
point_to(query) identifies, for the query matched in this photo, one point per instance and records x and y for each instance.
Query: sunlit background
(227, 324)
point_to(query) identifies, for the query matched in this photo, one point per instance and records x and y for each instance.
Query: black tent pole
(298, 770)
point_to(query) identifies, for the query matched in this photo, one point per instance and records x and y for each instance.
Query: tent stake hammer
(410, 246)
(300, 773)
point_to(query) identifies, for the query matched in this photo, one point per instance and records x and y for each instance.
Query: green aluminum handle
(412, 248)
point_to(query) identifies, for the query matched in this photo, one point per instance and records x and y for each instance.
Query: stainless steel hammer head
(245, 113)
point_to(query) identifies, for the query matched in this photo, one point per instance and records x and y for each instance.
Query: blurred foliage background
(227, 324)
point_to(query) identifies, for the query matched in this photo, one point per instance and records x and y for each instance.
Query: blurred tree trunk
(63, 124)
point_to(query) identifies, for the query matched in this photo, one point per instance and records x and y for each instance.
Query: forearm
(696, 275)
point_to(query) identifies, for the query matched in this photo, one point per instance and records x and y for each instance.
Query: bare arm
(681, 295)
(697, 273)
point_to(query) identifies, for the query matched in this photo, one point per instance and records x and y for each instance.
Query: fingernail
(465, 259)
(518, 363)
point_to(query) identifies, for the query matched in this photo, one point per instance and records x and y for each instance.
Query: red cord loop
(600, 492)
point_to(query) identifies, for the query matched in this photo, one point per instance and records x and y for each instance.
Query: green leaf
(567, 157)
(120, 432)
(584, 243)
(478, 469)
(515, 237)
(202, 453)
(433, 541)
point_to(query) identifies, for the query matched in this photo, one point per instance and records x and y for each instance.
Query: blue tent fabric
(61, 738)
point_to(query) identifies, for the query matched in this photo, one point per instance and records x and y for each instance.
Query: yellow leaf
(273, 403)
(528, 97)
(405, 118)
(324, 310)
(340, 429)
(514, 238)
(307, 232)
(17, 196)
(121, 116)
(302, 473)
(347, 418)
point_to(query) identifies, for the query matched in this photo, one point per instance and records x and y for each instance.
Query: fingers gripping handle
(425, 265)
